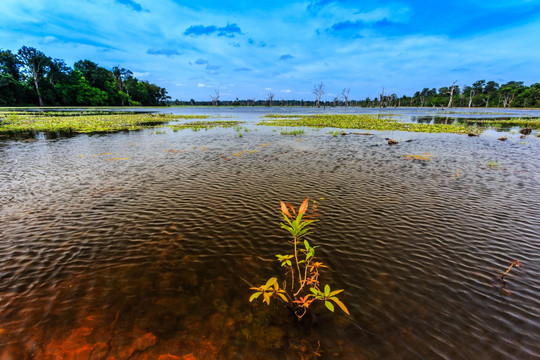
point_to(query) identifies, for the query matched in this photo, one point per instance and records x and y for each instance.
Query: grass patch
(89, 122)
(367, 122)
(204, 125)
(295, 132)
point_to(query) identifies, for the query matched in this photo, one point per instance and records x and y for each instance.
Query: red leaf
(284, 209)
(303, 207)
(292, 208)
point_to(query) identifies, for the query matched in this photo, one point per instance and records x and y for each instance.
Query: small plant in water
(302, 270)
(493, 164)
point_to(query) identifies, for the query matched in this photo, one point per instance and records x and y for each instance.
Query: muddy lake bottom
(142, 245)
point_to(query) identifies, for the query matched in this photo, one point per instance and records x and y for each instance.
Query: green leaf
(254, 296)
(329, 305)
(306, 244)
(316, 291)
(326, 290)
(270, 282)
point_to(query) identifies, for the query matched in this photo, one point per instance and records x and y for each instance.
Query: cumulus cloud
(166, 52)
(229, 30)
(350, 27)
(197, 30)
(347, 25)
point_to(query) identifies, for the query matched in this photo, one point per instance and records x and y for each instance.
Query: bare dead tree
(471, 94)
(487, 101)
(318, 90)
(451, 92)
(381, 98)
(422, 100)
(345, 95)
(508, 98)
(269, 98)
(335, 100)
(215, 98)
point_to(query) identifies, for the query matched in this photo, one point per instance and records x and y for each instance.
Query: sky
(248, 49)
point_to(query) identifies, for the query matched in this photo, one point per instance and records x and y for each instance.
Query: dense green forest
(32, 78)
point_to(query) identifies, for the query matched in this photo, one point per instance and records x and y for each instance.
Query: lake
(143, 244)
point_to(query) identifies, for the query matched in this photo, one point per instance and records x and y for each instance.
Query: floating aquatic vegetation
(364, 121)
(102, 123)
(422, 157)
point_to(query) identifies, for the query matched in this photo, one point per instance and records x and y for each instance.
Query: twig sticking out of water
(515, 262)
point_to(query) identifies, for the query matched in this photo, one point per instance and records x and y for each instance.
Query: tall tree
(345, 95)
(451, 92)
(215, 98)
(510, 90)
(35, 62)
(270, 98)
(12, 91)
(319, 91)
(121, 75)
(10, 64)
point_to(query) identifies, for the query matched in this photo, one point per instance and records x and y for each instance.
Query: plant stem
(296, 259)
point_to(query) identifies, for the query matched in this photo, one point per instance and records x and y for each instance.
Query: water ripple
(166, 237)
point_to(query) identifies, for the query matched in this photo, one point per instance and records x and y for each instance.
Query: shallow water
(136, 245)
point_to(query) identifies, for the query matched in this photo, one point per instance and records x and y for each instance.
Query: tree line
(481, 93)
(30, 77)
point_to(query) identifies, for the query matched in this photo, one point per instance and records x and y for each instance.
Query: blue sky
(246, 49)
